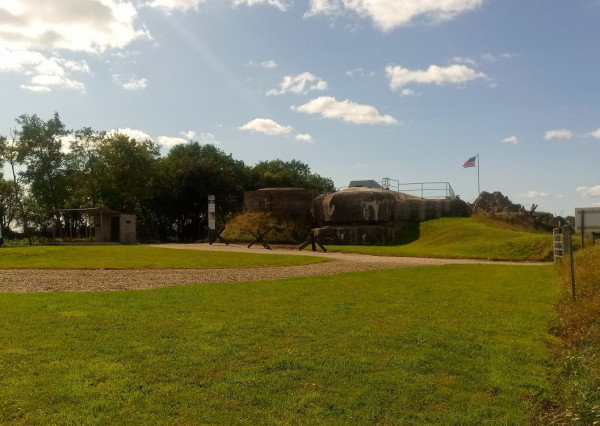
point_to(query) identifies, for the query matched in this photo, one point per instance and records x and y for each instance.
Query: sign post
(212, 219)
(587, 219)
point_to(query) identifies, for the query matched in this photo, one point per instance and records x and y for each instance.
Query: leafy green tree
(39, 151)
(188, 174)
(8, 209)
(83, 168)
(278, 174)
(126, 170)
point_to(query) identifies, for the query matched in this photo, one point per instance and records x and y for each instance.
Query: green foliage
(278, 174)
(136, 257)
(464, 238)
(438, 345)
(187, 176)
(284, 229)
(168, 195)
(127, 170)
(39, 151)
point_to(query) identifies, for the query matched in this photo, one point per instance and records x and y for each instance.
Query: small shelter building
(109, 226)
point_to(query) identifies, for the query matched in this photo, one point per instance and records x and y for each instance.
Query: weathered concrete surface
(289, 201)
(375, 216)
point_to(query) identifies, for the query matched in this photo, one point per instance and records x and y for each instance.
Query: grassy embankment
(477, 237)
(446, 345)
(137, 257)
(577, 354)
(464, 238)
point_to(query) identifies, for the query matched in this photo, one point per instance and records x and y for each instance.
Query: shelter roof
(97, 210)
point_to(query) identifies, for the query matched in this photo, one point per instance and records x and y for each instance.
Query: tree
(83, 168)
(39, 150)
(126, 170)
(8, 209)
(278, 174)
(190, 173)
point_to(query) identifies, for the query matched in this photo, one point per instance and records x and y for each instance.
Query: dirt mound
(498, 205)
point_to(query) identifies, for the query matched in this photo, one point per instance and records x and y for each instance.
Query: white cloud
(511, 139)
(594, 134)
(558, 134)
(408, 92)
(135, 84)
(170, 142)
(92, 26)
(266, 126)
(301, 83)
(44, 73)
(461, 60)
(45, 83)
(535, 194)
(360, 72)
(278, 4)
(493, 58)
(270, 64)
(589, 191)
(208, 138)
(171, 5)
(456, 74)
(390, 14)
(138, 135)
(189, 135)
(346, 110)
(304, 137)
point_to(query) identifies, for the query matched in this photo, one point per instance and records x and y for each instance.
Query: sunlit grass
(137, 257)
(444, 345)
(577, 370)
(464, 238)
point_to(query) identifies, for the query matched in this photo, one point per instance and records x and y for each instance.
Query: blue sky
(357, 89)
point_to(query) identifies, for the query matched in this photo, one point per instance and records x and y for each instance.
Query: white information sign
(212, 222)
(587, 219)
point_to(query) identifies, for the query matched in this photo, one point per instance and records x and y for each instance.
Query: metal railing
(429, 190)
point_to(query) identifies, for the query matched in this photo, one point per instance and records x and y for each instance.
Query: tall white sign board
(212, 220)
(587, 219)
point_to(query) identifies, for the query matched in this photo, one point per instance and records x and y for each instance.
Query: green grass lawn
(137, 257)
(464, 238)
(448, 345)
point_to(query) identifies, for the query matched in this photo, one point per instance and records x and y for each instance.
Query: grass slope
(465, 238)
(450, 345)
(137, 257)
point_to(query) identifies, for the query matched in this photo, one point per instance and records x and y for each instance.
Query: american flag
(470, 162)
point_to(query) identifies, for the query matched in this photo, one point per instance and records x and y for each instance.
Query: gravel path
(55, 280)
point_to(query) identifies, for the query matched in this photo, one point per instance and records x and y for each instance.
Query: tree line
(51, 168)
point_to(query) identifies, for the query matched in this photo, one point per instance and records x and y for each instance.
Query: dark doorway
(115, 229)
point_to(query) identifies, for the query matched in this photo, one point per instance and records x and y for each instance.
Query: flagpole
(478, 187)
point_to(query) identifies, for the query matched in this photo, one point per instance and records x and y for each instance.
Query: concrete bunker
(362, 215)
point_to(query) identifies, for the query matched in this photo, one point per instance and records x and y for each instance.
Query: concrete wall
(375, 216)
(290, 201)
(128, 233)
(103, 228)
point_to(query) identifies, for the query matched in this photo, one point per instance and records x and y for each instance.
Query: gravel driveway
(57, 280)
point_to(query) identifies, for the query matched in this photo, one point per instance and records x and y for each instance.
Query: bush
(284, 229)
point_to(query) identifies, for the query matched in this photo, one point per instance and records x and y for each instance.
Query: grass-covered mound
(471, 237)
